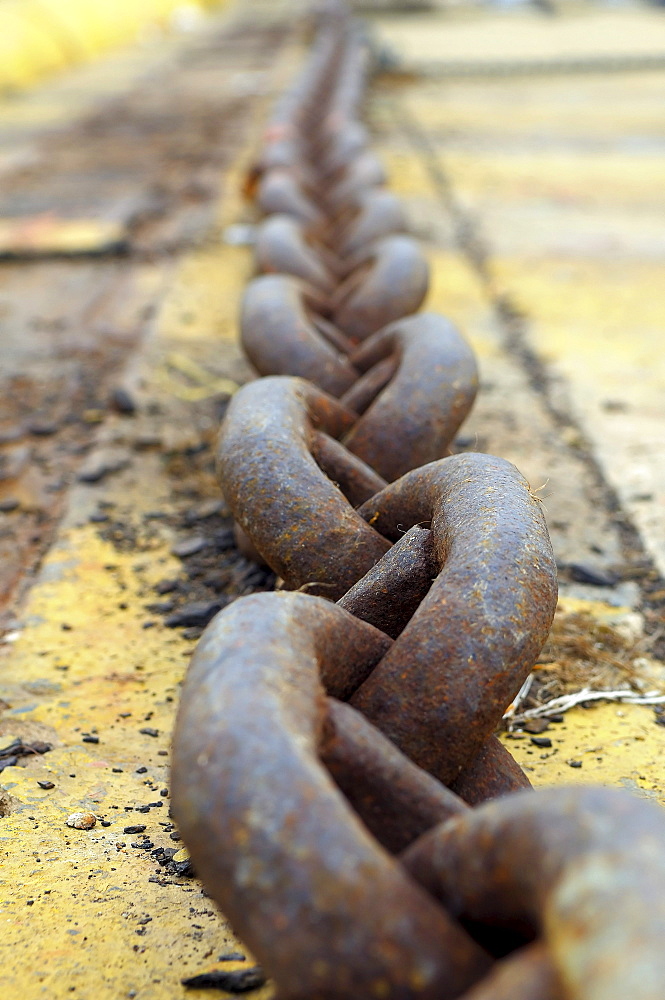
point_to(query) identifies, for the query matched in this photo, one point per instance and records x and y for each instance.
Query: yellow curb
(89, 914)
(40, 37)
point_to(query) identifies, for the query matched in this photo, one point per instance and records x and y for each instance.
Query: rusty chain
(333, 762)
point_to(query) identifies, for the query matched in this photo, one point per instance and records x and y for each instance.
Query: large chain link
(317, 741)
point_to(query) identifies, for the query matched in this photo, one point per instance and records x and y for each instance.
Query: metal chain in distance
(333, 476)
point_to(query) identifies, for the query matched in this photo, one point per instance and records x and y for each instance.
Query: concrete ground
(537, 193)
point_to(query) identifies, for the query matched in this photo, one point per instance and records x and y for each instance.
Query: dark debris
(17, 749)
(233, 981)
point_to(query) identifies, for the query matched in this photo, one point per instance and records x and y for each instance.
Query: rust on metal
(315, 742)
(388, 280)
(295, 516)
(279, 191)
(493, 772)
(395, 798)
(282, 247)
(363, 172)
(442, 690)
(392, 590)
(325, 909)
(280, 335)
(434, 387)
(581, 869)
(375, 214)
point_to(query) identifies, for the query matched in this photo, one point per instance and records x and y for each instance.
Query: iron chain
(334, 754)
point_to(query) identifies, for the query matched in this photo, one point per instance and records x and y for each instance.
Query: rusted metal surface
(477, 630)
(375, 214)
(493, 772)
(282, 247)
(433, 388)
(281, 334)
(417, 373)
(581, 869)
(279, 463)
(319, 902)
(280, 191)
(387, 281)
(392, 589)
(475, 636)
(364, 172)
(396, 800)
(297, 518)
(526, 974)
(339, 145)
(324, 908)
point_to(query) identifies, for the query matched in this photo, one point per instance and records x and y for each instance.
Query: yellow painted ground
(523, 34)
(608, 744)
(86, 665)
(40, 37)
(80, 916)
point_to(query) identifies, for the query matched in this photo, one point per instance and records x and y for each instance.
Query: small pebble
(237, 981)
(42, 428)
(121, 401)
(536, 725)
(160, 607)
(189, 547)
(224, 540)
(541, 741)
(197, 613)
(99, 466)
(46, 784)
(595, 577)
(81, 821)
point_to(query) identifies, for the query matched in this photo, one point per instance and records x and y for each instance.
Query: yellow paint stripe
(75, 903)
(608, 744)
(40, 37)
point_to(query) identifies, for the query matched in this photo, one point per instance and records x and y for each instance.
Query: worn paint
(608, 744)
(73, 900)
(79, 661)
(42, 36)
(81, 881)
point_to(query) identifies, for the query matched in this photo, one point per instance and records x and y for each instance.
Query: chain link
(333, 762)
